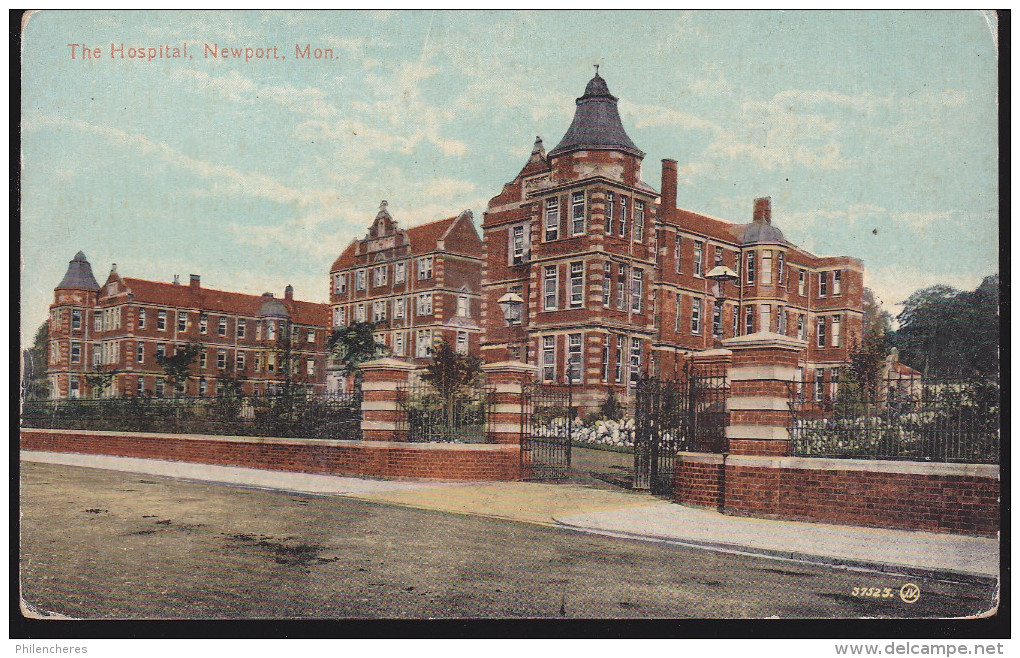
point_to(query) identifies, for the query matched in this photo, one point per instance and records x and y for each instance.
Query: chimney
(288, 292)
(196, 282)
(668, 193)
(177, 279)
(763, 210)
(268, 295)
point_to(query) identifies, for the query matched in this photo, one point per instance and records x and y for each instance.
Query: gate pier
(507, 379)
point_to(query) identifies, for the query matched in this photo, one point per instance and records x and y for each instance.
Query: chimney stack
(669, 181)
(177, 279)
(196, 282)
(288, 292)
(763, 210)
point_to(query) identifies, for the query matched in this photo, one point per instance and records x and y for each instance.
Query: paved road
(100, 544)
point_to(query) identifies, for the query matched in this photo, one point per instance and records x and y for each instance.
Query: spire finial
(383, 204)
(596, 68)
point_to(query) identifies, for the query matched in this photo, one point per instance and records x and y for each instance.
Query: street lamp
(512, 305)
(719, 275)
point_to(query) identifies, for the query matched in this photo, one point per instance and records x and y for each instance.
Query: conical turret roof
(596, 124)
(79, 275)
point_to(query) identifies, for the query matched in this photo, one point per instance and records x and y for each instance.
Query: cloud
(236, 88)
(645, 116)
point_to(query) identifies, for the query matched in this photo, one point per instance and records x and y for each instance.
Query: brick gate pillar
(379, 384)
(507, 378)
(762, 371)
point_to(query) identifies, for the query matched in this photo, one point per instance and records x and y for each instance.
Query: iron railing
(304, 416)
(425, 416)
(904, 418)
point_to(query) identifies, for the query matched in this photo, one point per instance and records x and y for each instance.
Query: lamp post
(719, 275)
(512, 305)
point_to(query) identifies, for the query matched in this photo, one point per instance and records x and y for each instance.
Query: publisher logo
(910, 593)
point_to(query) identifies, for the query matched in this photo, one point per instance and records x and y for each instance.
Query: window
(201, 386)
(336, 283)
(517, 245)
(552, 218)
(380, 275)
(97, 320)
(765, 317)
(359, 312)
(833, 382)
(801, 327)
(517, 311)
(819, 384)
(462, 342)
(635, 359)
(399, 272)
(379, 310)
(821, 332)
(271, 330)
(781, 317)
(310, 367)
(801, 282)
(141, 318)
(311, 336)
(257, 362)
(75, 318)
(577, 212)
(749, 319)
(695, 315)
(679, 313)
(161, 320)
(609, 212)
(97, 353)
(574, 366)
(161, 350)
(624, 204)
(766, 267)
(271, 362)
(551, 284)
(423, 343)
(425, 304)
(605, 358)
(549, 358)
(203, 323)
(736, 320)
(823, 284)
(338, 319)
(576, 285)
(221, 359)
(837, 284)
(398, 308)
(425, 268)
(717, 320)
(836, 322)
(398, 343)
(462, 306)
(139, 353)
(140, 386)
(750, 267)
(359, 280)
(621, 286)
(677, 252)
(639, 221)
(607, 284)
(75, 352)
(699, 249)
(637, 288)
(718, 256)
(781, 268)
(240, 360)
(221, 329)
(621, 345)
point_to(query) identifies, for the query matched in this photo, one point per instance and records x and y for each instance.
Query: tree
(866, 355)
(35, 385)
(100, 379)
(177, 366)
(452, 375)
(353, 345)
(947, 332)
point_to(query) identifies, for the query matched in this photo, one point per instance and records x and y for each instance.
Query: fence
(425, 416)
(306, 416)
(907, 418)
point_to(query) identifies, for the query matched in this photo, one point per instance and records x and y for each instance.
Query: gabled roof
(208, 299)
(421, 239)
(79, 275)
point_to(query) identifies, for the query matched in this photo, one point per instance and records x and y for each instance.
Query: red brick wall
(375, 459)
(930, 497)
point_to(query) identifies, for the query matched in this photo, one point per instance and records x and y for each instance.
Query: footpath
(612, 512)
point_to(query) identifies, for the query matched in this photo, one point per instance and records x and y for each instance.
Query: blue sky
(875, 133)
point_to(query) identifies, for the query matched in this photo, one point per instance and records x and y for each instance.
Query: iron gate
(425, 416)
(547, 420)
(687, 414)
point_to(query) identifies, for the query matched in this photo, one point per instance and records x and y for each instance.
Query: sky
(875, 133)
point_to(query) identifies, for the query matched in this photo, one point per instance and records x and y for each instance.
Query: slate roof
(79, 275)
(596, 124)
(422, 240)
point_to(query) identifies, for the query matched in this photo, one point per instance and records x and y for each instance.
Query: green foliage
(450, 373)
(36, 385)
(947, 332)
(177, 366)
(99, 380)
(610, 409)
(353, 345)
